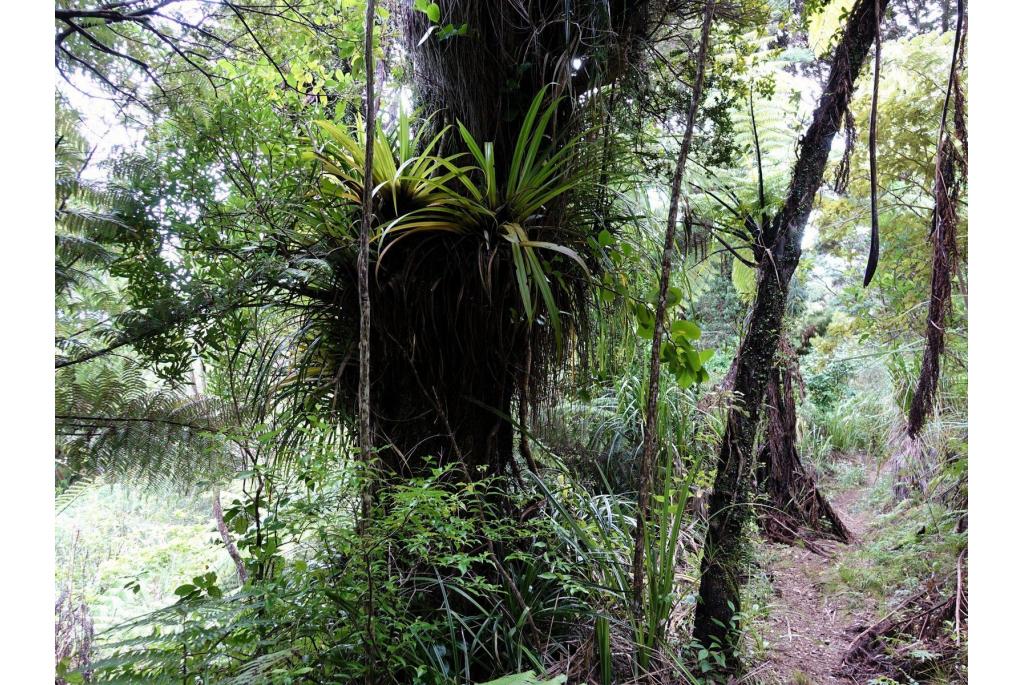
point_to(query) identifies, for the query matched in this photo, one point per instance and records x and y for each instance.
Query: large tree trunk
(449, 358)
(778, 256)
(487, 78)
(446, 359)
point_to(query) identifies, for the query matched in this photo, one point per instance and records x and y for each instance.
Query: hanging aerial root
(869, 271)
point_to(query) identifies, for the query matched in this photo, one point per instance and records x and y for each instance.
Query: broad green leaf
(688, 329)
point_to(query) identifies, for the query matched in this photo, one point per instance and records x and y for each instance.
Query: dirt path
(808, 631)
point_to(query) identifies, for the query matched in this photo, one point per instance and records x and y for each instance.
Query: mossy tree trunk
(728, 507)
(777, 249)
(449, 357)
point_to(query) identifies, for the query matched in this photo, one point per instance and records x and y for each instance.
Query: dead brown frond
(907, 465)
(841, 179)
(945, 258)
(915, 640)
(73, 634)
(950, 176)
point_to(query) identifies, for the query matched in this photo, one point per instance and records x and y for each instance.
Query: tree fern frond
(109, 422)
(68, 496)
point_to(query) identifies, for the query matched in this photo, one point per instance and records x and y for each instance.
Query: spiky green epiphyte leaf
(418, 193)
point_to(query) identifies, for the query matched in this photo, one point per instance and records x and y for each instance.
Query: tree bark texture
(778, 249)
(225, 536)
(448, 357)
(363, 261)
(795, 508)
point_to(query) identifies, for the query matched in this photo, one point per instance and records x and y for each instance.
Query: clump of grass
(758, 596)
(854, 416)
(800, 678)
(850, 475)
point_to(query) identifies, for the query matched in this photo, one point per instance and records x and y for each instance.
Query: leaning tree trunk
(722, 561)
(779, 254)
(795, 508)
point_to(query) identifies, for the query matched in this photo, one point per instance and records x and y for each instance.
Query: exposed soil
(808, 630)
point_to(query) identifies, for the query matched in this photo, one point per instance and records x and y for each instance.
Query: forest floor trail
(809, 630)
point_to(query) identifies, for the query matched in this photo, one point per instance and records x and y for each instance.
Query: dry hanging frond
(950, 171)
(908, 465)
(944, 260)
(959, 100)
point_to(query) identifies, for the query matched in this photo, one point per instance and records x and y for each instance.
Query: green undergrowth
(909, 543)
(123, 552)
(758, 596)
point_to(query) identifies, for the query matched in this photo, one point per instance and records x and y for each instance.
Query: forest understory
(511, 343)
(819, 608)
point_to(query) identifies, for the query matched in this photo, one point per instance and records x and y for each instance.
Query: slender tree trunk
(779, 247)
(363, 260)
(225, 536)
(649, 438)
(199, 388)
(524, 411)
(363, 275)
(728, 506)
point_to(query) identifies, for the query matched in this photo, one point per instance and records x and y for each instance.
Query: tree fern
(112, 421)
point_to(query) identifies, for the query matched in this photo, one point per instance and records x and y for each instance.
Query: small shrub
(829, 386)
